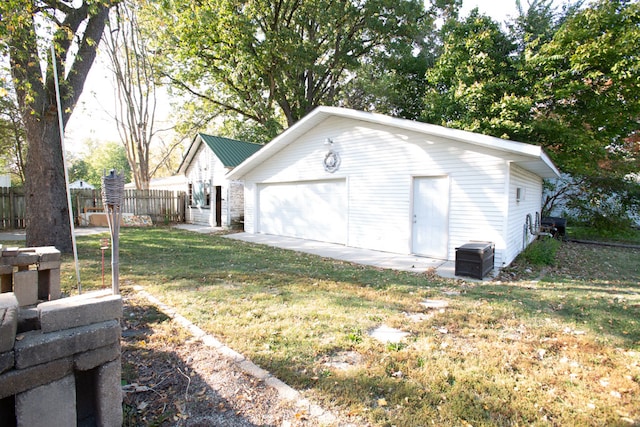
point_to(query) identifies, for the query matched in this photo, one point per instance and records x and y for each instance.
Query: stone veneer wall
(59, 358)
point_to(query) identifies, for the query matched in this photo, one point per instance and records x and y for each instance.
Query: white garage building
(371, 181)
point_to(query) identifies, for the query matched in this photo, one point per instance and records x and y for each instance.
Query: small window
(199, 194)
(519, 194)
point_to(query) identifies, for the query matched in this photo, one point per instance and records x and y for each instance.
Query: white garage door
(314, 210)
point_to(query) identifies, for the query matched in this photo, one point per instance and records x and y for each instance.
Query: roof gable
(530, 157)
(230, 152)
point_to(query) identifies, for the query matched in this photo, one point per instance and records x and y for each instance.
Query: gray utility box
(475, 259)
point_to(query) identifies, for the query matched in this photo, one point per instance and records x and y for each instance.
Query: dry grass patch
(562, 350)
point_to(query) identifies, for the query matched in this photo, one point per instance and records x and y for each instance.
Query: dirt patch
(574, 260)
(172, 379)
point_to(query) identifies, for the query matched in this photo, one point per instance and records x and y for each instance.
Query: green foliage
(587, 93)
(275, 63)
(541, 252)
(471, 85)
(605, 204)
(625, 234)
(565, 81)
(79, 169)
(13, 145)
(100, 159)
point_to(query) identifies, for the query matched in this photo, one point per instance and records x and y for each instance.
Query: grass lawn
(561, 350)
(628, 235)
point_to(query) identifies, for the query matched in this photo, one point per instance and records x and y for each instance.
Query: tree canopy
(12, 138)
(272, 62)
(471, 85)
(587, 90)
(97, 160)
(566, 79)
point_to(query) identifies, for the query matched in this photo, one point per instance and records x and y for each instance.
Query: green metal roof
(231, 152)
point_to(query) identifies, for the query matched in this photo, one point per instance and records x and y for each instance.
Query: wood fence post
(13, 215)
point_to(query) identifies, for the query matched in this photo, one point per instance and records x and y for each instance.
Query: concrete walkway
(378, 259)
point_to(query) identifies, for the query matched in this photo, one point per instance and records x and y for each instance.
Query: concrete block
(54, 284)
(9, 251)
(109, 395)
(6, 281)
(8, 300)
(24, 259)
(48, 265)
(92, 358)
(8, 328)
(25, 286)
(8, 321)
(93, 307)
(53, 404)
(49, 284)
(6, 361)
(16, 381)
(37, 347)
(254, 370)
(48, 253)
(284, 391)
(6, 269)
(89, 295)
(28, 319)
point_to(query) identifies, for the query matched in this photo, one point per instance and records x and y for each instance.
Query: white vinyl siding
(529, 203)
(207, 170)
(380, 163)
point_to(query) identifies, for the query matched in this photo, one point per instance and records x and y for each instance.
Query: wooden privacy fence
(163, 206)
(12, 208)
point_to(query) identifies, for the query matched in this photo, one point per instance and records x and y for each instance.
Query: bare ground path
(176, 375)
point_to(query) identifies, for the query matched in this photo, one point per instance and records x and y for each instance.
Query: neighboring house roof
(231, 152)
(80, 184)
(528, 156)
(161, 183)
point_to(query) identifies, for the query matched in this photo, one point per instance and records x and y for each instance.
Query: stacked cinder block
(59, 359)
(31, 273)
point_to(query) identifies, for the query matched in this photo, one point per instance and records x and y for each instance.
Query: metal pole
(64, 163)
(115, 251)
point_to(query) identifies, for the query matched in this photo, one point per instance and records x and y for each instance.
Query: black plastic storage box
(557, 225)
(474, 259)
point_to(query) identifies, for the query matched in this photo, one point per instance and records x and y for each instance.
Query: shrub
(541, 252)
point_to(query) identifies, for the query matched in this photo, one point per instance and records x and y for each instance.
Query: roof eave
(271, 148)
(191, 152)
(546, 168)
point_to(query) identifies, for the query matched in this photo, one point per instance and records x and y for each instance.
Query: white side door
(430, 229)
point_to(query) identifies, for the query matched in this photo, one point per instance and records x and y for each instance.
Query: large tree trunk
(47, 211)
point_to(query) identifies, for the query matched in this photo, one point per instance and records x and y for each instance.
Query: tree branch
(229, 107)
